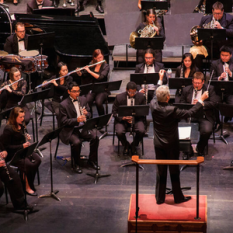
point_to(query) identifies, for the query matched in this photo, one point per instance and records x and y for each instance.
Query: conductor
(166, 140)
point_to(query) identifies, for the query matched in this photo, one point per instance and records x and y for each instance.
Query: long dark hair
(152, 11)
(95, 54)
(193, 66)
(12, 118)
(59, 66)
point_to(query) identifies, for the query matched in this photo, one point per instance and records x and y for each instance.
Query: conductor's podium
(146, 216)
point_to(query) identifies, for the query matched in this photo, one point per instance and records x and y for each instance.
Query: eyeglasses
(132, 93)
(76, 91)
(214, 13)
(148, 58)
(197, 83)
(21, 31)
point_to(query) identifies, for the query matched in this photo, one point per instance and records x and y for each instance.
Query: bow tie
(149, 65)
(74, 101)
(21, 39)
(40, 4)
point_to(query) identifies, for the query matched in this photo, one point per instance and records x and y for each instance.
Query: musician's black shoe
(183, 200)
(126, 149)
(80, 7)
(27, 207)
(78, 170)
(100, 9)
(32, 194)
(159, 202)
(93, 165)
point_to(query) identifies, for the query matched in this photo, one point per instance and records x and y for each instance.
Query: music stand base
(169, 191)
(131, 164)
(222, 137)
(51, 194)
(25, 212)
(97, 175)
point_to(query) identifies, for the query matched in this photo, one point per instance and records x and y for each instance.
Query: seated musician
(185, 70)
(11, 95)
(37, 4)
(82, 4)
(15, 2)
(152, 20)
(74, 111)
(13, 186)
(166, 141)
(98, 73)
(219, 20)
(17, 42)
(59, 86)
(129, 98)
(15, 138)
(191, 94)
(223, 69)
(151, 66)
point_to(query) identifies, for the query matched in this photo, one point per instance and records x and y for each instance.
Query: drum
(2, 55)
(41, 63)
(28, 60)
(11, 60)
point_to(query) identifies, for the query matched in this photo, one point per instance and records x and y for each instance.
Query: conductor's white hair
(162, 92)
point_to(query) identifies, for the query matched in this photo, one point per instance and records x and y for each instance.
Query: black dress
(13, 141)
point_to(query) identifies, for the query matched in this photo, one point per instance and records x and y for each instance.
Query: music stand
(136, 110)
(158, 5)
(221, 88)
(5, 114)
(211, 34)
(22, 154)
(33, 98)
(226, 3)
(97, 123)
(85, 89)
(145, 43)
(179, 83)
(55, 11)
(48, 138)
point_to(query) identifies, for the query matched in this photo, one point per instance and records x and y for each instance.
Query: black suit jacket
(11, 45)
(121, 100)
(165, 121)
(209, 104)
(33, 5)
(192, 72)
(217, 67)
(158, 66)
(68, 117)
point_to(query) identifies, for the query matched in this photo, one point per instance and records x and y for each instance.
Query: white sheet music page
(184, 132)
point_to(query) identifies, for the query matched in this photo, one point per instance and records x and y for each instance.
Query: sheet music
(184, 132)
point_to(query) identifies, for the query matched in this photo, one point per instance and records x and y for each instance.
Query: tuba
(148, 31)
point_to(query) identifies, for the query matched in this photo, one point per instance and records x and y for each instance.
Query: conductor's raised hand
(205, 96)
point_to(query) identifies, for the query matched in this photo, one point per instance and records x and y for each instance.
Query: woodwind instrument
(71, 72)
(6, 168)
(131, 123)
(195, 94)
(182, 71)
(10, 84)
(81, 109)
(225, 66)
(25, 132)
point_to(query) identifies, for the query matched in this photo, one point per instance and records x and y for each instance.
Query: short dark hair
(225, 48)
(199, 75)
(218, 6)
(131, 85)
(151, 51)
(71, 85)
(19, 24)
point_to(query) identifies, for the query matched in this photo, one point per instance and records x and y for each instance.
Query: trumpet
(10, 84)
(71, 72)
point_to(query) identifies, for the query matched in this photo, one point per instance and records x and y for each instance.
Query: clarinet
(181, 76)
(224, 70)
(25, 132)
(81, 109)
(195, 94)
(6, 168)
(131, 124)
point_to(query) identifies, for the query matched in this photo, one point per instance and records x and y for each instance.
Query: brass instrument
(148, 31)
(71, 72)
(6, 168)
(211, 24)
(10, 84)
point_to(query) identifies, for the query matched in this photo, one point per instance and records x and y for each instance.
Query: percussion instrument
(41, 62)
(2, 54)
(10, 60)
(27, 57)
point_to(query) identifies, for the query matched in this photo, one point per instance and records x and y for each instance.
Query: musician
(220, 20)
(15, 138)
(17, 42)
(200, 8)
(129, 98)
(13, 94)
(15, 2)
(191, 94)
(151, 66)
(151, 19)
(97, 73)
(140, 5)
(37, 4)
(13, 186)
(223, 69)
(82, 4)
(59, 87)
(166, 141)
(74, 113)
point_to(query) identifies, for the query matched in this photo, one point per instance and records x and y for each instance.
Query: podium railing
(196, 163)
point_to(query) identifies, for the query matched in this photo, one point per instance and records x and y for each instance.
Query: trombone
(10, 84)
(71, 72)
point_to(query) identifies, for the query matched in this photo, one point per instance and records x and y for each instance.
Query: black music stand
(145, 43)
(33, 98)
(22, 154)
(48, 138)
(158, 5)
(136, 110)
(5, 114)
(211, 35)
(106, 87)
(97, 123)
(221, 88)
(55, 11)
(179, 83)
(85, 89)
(226, 3)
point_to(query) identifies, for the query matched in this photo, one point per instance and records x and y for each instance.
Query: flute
(71, 72)
(10, 84)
